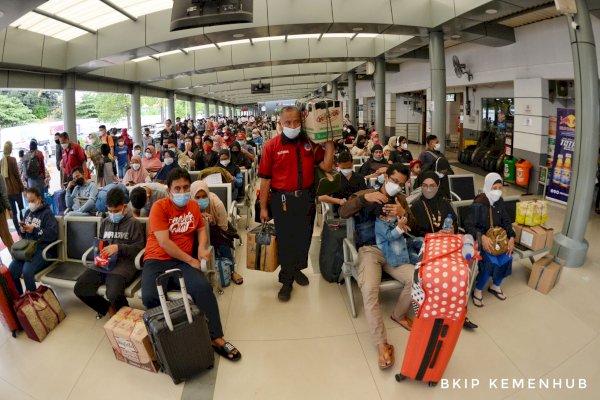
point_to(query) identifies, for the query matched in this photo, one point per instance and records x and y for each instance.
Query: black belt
(295, 193)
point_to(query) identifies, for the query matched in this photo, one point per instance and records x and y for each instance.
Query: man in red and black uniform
(287, 172)
(72, 156)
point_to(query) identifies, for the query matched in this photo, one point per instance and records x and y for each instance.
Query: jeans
(197, 286)
(225, 252)
(122, 169)
(16, 200)
(38, 182)
(28, 269)
(88, 283)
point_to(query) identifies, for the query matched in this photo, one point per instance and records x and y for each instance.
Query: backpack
(33, 166)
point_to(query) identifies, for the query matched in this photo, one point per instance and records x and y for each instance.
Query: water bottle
(203, 266)
(448, 224)
(468, 248)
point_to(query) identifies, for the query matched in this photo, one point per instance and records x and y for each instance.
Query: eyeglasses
(429, 187)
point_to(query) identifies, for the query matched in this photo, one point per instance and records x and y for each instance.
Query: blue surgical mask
(203, 203)
(181, 199)
(115, 218)
(381, 179)
(291, 133)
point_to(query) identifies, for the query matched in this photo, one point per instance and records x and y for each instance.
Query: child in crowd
(415, 171)
(122, 152)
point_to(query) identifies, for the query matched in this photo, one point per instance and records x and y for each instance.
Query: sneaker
(301, 279)
(469, 325)
(285, 292)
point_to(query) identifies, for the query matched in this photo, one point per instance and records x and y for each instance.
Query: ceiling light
(403, 48)
(306, 36)
(141, 59)
(357, 29)
(232, 42)
(455, 37)
(491, 11)
(367, 35)
(238, 35)
(338, 35)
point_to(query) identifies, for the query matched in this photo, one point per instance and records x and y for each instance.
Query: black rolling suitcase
(331, 255)
(179, 334)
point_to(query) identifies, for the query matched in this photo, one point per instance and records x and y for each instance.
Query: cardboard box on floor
(261, 258)
(545, 274)
(534, 237)
(129, 339)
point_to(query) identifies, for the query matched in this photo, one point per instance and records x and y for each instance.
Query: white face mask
(346, 171)
(168, 161)
(64, 145)
(404, 146)
(32, 206)
(137, 152)
(135, 166)
(148, 155)
(392, 188)
(495, 195)
(291, 133)
(225, 162)
(439, 174)
(437, 147)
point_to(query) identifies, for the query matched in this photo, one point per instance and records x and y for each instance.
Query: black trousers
(89, 282)
(294, 227)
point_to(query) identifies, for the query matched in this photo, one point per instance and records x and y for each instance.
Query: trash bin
(523, 172)
(510, 168)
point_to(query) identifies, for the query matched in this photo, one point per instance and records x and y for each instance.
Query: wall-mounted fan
(460, 69)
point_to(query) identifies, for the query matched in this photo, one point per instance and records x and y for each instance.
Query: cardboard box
(545, 274)
(261, 257)
(315, 121)
(518, 228)
(129, 339)
(536, 237)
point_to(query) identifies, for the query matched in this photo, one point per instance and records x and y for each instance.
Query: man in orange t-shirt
(174, 223)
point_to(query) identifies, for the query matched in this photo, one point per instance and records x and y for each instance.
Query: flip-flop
(228, 350)
(500, 295)
(386, 364)
(404, 322)
(238, 281)
(477, 301)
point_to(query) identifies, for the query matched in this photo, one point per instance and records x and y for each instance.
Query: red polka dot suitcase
(445, 278)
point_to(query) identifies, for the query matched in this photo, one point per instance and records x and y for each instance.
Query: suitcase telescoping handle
(163, 300)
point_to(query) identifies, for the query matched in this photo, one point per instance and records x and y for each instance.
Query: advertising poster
(562, 164)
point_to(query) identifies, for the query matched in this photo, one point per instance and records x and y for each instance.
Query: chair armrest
(455, 196)
(85, 256)
(45, 251)
(138, 259)
(350, 252)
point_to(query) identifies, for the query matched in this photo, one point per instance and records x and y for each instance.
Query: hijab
(8, 147)
(163, 173)
(217, 142)
(138, 176)
(216, 208)
(153, 163)
(490, 180)
(96, 142)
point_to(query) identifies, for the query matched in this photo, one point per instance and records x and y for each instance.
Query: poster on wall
(562, 164)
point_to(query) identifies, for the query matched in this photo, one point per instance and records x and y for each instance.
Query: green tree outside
(112, 107)
(13, 112)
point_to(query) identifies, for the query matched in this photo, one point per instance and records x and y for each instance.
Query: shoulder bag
(498, 236)
(24, 249)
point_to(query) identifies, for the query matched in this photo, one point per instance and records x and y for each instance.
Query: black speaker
(562, 89)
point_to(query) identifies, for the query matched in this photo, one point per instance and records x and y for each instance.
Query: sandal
(404, 322)
(228, 351)
(386, 359)
(237, 278)
(499, 294)
(477, 301)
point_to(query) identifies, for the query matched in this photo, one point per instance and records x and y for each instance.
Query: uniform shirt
(72, 157)
(182, 225)
(289, 163)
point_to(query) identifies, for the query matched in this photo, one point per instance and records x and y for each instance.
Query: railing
(412, 131)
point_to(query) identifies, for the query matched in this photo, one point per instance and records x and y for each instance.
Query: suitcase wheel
(177, 381)
(14, 334)
(432, 384)
(400, 377)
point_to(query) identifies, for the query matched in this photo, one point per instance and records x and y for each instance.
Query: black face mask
(360, 145)
(79, 182)
(57, 141)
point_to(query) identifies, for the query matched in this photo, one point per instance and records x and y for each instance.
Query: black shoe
(469, 325)
(301, 279)
(285, 292)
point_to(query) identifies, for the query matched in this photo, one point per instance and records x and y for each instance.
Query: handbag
(498, 236)
(39, 312)
(263, 237)
(224, 267)
(24, 249)
(219, 237)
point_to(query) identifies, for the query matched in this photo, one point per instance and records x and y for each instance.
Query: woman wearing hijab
(169, 165)
(239, 158)
(213, 208)
(389, 147)
(374, 140)
(401, 154)
(151, 162)
(237, 189)
(488, 210)
(94, 150)
(360, 148)
(14, 184)
(432, 208)
(442, 169)
(218, 143)
(376, 165)
(136, 174)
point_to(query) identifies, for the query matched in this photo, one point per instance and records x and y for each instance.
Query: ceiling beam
(119, 9)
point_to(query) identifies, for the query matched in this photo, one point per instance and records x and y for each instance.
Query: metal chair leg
(348, 282)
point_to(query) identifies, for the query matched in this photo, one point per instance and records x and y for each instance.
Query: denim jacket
(396, 249)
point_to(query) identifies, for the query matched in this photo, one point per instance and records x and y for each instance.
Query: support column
(334, 90)
(380, 96)
(390, 114)
(136, 114)
(352, 97)
(206, 108)
(438, 86)
(69, 110)
(570, 244)
(171, 106)
(193, 108)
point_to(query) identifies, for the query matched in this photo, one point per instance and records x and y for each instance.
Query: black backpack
(331, 255)
(33, 166)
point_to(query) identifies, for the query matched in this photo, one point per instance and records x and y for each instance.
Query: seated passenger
(107, 167)
(245, 147)
(144, 195)
(136, 174)
(238, 157)
(487, 211)
(125, 238)
(429, 156)
(173, 224)
(206, 157)
(151, 162)
(81, 194)
(351, 183)
(182, 160)
(441, 167)
(257, 137)
(169, 164)
(364, 206)
(238, 179)
(389, 148)
(431, 208)
(376, 165)
(38, 224)
(360, 148)
(221, 238)
(401, 154)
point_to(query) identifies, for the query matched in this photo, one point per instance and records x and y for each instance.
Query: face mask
(242, 142)
(437, 147)
(360, 145)
(495, 195)
(439, 174)
(137, 152)
(57, 141)
(377, 158)
(64, 145)
(202, 203)
(135, 166)
(79, 182)
(226, 137)
(346, 172)
(181, 199)
(168, 161)
(430, 193)
(148, 155)
(121, 144)
(291, 133)
(381, 179)
(33, 206)
(207, 147)
(225, 162)
(115, 218)
(392, 188)
(404, 146)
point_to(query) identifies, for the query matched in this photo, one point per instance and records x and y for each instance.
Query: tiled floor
(311, 347)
